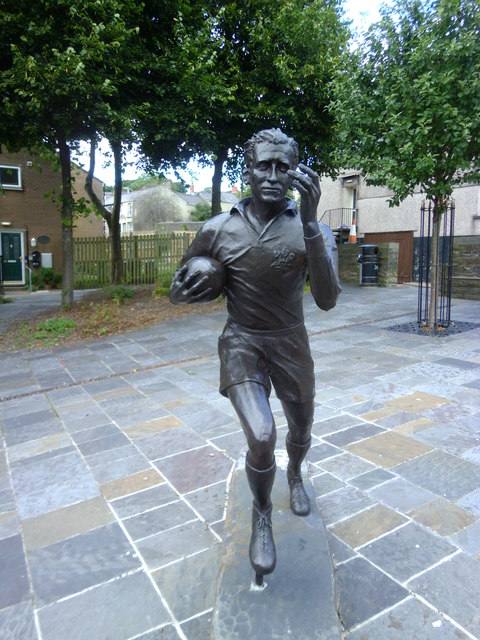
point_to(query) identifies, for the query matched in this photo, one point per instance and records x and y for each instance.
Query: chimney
(234, 189)
(192, 188)
(168, 184)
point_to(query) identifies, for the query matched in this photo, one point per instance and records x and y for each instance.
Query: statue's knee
(262, 449)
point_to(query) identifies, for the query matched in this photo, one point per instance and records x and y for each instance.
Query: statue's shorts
(281, 357)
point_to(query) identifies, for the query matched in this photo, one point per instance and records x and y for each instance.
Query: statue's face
(267, 173)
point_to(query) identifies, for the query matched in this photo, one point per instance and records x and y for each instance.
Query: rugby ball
(204, 267)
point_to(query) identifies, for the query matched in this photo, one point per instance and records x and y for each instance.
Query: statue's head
(269, 157)
(274, 136)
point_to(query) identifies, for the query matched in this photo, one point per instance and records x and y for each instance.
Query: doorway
(405, 250)
(12, 257)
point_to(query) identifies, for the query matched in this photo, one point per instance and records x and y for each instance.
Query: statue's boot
(299, 501)
(262, 547)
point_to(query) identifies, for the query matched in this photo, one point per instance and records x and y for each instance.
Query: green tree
(408, 104)
(250, 65)
(139, 75)
(57, 70)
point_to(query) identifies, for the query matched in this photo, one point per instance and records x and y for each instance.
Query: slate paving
(116, 456)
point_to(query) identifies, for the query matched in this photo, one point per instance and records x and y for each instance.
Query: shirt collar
(290, 209)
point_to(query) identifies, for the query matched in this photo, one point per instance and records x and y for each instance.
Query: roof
(191, 199)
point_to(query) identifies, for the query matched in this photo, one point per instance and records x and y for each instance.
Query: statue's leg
(299, 418)
(250, 401)
(262, 547)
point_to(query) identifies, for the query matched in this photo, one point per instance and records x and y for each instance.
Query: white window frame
(17, 186)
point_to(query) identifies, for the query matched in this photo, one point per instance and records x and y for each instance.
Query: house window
(10, 177)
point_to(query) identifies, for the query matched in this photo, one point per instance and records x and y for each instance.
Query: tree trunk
(67, 220)
(115, 236)
(112, 218)
(217, 181)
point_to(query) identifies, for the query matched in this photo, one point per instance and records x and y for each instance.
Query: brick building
(30, 224)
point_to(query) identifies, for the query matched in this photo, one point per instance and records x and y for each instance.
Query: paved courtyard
(116, 454)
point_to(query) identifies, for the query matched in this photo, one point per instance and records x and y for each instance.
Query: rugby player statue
(258, 255)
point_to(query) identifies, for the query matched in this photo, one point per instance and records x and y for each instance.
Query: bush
(162, 284)
(201, 212)
(119, 293)
(46, 275)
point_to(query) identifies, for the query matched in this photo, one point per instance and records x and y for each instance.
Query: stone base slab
(297, 600)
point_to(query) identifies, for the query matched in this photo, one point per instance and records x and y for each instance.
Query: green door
(12, 257)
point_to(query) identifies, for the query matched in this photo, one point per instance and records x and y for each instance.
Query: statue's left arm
(320, 244)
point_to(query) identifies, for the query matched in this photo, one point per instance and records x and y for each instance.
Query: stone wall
(466, 267)
(349, 267)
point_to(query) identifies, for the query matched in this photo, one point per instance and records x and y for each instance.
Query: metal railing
(339, 219)
(435, 261)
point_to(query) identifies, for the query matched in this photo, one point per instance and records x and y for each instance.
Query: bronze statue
(258, 255)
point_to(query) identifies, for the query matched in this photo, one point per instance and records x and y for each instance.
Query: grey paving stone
(322, 451)
(21, 433)
(51, 483)
(69, 566)
(102, 431)
(122, 467)
(353, 434)
(232, 444)
(157, 520)
(452, 587)
(198, 628)
(112, 455)
(471, 501)
(208, 421)
(401, 494)
(7, 500)
(460, 364)
(169, 442)
(442, 473)
(407, 551)
(210, 501)
(167, 632)
(371, 479)
(334, 424)
(469, 539)
(176, 543)
(23, 419)
(346, 466)
(17, 622)
(195, 469)
(141, 501)
(14, 583)
(9, 526)
(189, 586)
(338, 549)
(365, 592)
(410, 620)
(325, 483)
(120, 609)
(113, 441)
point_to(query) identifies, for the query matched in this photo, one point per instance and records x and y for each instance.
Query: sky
(361, 12)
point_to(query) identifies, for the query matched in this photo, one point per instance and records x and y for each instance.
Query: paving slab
(297, 600)
(115, 439)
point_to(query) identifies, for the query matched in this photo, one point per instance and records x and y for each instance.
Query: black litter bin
(369, 261)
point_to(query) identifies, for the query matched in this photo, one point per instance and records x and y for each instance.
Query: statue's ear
(245, 174)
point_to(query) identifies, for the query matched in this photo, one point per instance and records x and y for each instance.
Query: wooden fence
(146, 258)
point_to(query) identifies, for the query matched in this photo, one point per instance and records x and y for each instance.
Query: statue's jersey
(266, 272)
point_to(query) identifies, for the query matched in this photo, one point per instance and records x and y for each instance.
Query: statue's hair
(275, 136)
